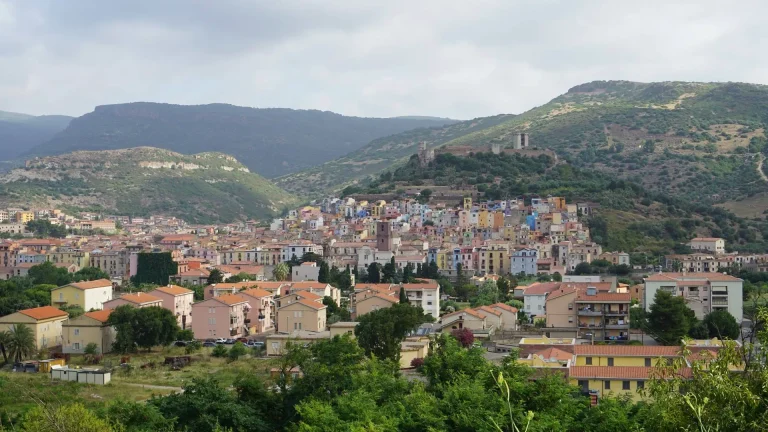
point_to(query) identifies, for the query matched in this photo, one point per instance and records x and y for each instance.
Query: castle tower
(467, 203)
(521, 141)
(384, 240)
(496, 148)
(425, 156)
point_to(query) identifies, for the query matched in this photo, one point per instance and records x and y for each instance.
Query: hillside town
(533, 273)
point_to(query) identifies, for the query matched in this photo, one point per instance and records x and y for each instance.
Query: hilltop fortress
(520, 146)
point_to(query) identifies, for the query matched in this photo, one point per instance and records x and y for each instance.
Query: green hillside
(631, 218)
(697, 141)
(201, 188)
(269, 141)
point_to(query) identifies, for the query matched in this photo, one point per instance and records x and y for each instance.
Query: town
(517, 275)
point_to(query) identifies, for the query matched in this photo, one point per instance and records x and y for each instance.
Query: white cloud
(429, 57)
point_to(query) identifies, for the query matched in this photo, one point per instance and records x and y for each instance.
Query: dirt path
(760, 168)
(155, 387)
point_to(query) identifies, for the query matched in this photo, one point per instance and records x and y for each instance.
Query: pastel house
(220, 317)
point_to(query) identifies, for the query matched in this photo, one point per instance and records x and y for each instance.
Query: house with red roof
(89, 328)
(44, 321)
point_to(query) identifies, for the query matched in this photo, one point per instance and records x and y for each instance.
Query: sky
(446, 58)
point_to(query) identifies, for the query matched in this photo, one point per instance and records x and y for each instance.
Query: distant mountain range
(271, 141)
(21, 132)
(201, 188)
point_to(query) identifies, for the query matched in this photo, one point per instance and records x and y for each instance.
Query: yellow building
(612, 381)
(623, 355)
(25, 216)
(441, 259)
(88, 295)
(411, 349)
(467, 203)
(79, 258)
(482, 218)
(90, 327)
(45, 323)
(494, 259)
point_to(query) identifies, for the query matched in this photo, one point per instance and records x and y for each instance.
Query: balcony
(616, 326)
(617, 312)
(590, 312)
(720, 301)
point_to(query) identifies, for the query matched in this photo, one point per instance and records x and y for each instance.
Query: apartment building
(90, 295)
(179, 301)
(220, 317)
(703, 292)
(713, 245)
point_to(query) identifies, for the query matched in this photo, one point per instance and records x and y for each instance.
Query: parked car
(255, 344)
(209, 344)
(243, 340)
(221, 341)
(210, 340)
(229, 341)
(180, 343)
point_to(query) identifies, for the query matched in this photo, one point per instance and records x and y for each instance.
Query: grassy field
(21, 391)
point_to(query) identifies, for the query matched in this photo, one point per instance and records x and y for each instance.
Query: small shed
(85, 376)
(47, 365)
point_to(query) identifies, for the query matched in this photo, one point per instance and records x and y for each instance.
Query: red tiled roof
(558, 354)
(308, 285)
(98, 283)
(560, 293)
(44, 313)
(101, 315)
(538, 288)
(140, 298)
(313, 304)
(504, 306)
(256, 292)
(230, 299)
(618, 372)
(627, 350)
(684, 277)
(173, 290)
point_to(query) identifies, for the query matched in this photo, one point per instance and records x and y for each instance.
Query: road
(760, 168)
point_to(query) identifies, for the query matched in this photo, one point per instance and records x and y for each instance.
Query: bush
(219, 351)
(185, 335)
(193, 346)
(417, 363)
(237, 351)
(464, 336)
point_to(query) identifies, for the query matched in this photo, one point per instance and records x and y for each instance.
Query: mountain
(200, 188)
(700, 142)
(271, 141)
(21, 132)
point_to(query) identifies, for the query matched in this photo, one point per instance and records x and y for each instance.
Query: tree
(669, 318)
(89, 274)
(185, 335)
(47, 273)
(69, 418)
(487, 294)
(142, 327)
(219, 351)
(238, 350)
(408, 273)
(154, 268)
(215, 277)
(390, 269)
(403, 296)
(557, 277)
(433, 271)
(460, 278)
(425, 195)
(380, 332)
(240, 277)
(21, 342)
(280, 272)
(91, 349)
(334, 312)
(5, 338)
(464, 336)
(582, 269)
(722, 324)
(324, 274)
(373, 273)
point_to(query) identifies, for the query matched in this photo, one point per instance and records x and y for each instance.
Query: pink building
(260, 317)
(220, 317)
(139, 300)
(216, 290)
(177, 300)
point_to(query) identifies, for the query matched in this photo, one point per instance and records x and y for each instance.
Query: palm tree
(21, 343)
(280, 272)
(5, 338)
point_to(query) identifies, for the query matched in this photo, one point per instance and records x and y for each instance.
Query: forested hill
(201, 188)
(631, 217)
(701, 142)
(271, 142)
(21, 132)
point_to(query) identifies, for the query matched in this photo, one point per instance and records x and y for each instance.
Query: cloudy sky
(459, 59)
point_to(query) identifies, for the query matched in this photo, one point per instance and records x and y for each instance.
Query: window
(589, 361)
(298, 314)
(640, 385)
(570, 320)
(625, 385)
(607, 385)
(77, 332)
(570, 306)
(610, 361)
(61, 296)
(211, 321)
(647, 362)
(76, 345)
(583, 384)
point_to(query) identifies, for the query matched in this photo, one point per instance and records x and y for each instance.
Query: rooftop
(618, 372)
(98, 283)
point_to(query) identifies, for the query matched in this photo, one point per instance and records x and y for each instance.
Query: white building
(308, 271)
(713, 245)
(535, 297)
(704, 292)
(524, 261)
(426, 295)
